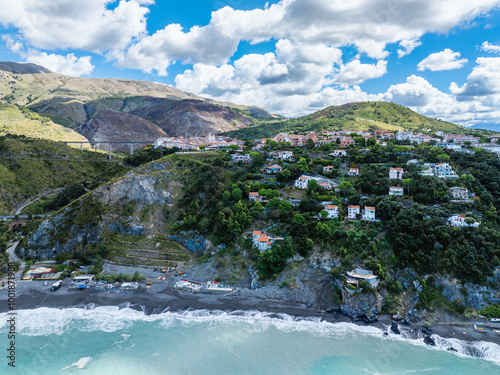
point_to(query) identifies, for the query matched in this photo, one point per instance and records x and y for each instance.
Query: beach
(161, 297)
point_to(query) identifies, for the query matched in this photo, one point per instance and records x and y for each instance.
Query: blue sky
(439, 57)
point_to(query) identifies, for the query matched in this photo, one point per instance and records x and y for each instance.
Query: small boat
(496, 320)
(56, 285)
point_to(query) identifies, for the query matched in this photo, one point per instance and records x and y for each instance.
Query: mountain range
(60, 107)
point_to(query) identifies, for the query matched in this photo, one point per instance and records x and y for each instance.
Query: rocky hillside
(71, 101)
(191, 117)
(109, 126)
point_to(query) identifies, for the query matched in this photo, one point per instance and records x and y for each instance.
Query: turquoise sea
(109, 340)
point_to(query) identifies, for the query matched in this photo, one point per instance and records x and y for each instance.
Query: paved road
(18, 211)
(12, 255)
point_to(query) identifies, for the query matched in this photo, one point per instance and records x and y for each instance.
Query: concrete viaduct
(95, 145)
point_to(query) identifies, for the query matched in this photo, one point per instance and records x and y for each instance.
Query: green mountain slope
(21, 121)
(352, 116)
(31, 166)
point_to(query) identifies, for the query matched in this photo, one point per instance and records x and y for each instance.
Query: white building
(396, 190)
(302, 182)
(262, 241)
(240, 157)
(285, 155)
(460, 193)
(339, 153)
(328, 168)
(369, 213)
(396, 173)
(403, 136)
(353, 172)
(333, 211)
(444, 170)
(352, 211)
(353, 277)
(458, 220)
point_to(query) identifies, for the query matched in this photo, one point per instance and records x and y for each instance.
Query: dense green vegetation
(31, 166)
(353, 116)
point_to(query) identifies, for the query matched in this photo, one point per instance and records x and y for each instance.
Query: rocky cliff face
(471, 295)
(146, 189)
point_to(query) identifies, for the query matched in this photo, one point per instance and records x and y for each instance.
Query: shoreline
(160, 298)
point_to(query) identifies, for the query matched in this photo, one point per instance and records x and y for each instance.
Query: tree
(226, 196)
(285, 207)
(310, 143)
(407, 184)
(257, 209)
(346, 188)
(237, 194)
(273, 203)
(323, 214)
(302, 165)
(298, 219)
(257, 159)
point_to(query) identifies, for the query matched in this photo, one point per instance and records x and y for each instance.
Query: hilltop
(71, 101)
(352, 116)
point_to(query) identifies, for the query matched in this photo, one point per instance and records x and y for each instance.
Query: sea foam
(46, 321)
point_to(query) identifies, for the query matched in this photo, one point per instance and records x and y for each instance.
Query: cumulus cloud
(444, 60)
(483, 80)
(87, 25)
(487, 47)
(368, 25)
(69, 64)
(355, 73)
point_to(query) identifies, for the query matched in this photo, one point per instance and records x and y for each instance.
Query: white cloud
(444, 60)
(487, 47)
(355, 73)
(484, 79)
(87, 25)
(407, 46)
(69, 64)
(12, 44)
(369, 25)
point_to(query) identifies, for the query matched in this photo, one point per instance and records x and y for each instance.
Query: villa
(353, 172)
(396, 173)
(333, 211)
(352, 211)
(460, 193)
(369, 213)
(444, 170)
(396, 190)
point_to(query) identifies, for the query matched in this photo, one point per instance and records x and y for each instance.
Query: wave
(47, 321)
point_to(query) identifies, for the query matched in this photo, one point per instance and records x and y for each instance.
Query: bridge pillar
(109, 148)
(131, 149)
(81, 146)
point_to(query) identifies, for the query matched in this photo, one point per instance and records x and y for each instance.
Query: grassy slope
(21, 121)
(352, 116)
(28, 167)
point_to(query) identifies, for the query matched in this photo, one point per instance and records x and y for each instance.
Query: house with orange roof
(369, 213)
(333, 211)
(352, 211)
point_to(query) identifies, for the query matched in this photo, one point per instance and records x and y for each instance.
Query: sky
(440, 58)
